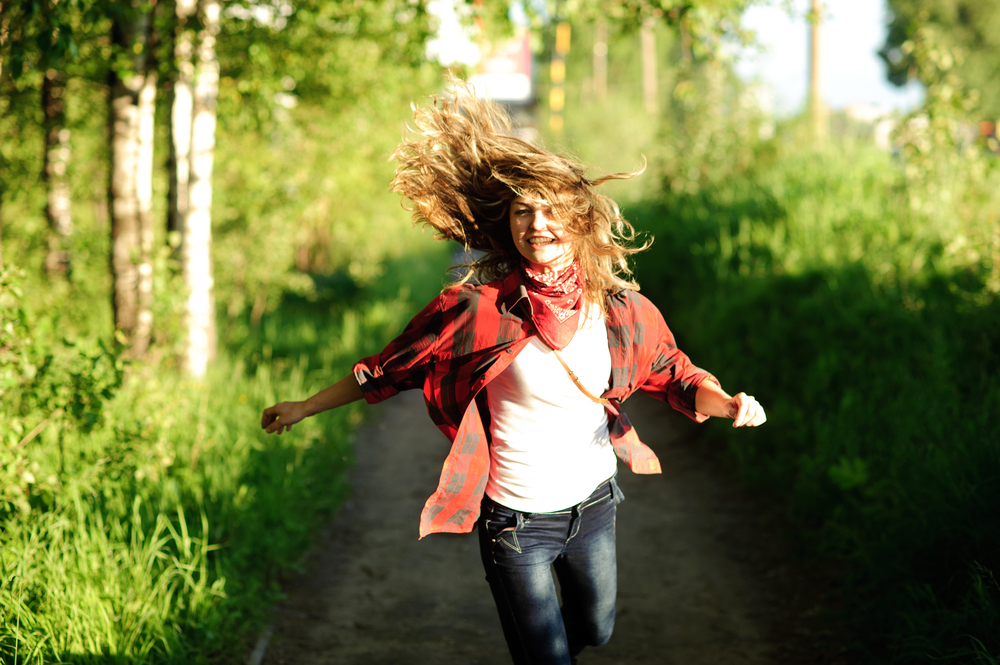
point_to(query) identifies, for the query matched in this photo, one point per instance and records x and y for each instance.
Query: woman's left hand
(745, 411)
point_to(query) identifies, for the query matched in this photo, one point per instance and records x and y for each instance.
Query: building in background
(504, 70)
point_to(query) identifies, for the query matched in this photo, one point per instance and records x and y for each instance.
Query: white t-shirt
(550, 442)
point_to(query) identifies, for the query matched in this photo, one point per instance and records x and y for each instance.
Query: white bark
(58, 210)
(817, 108)
(196, 248)
(180, 117)
(144, 200)
(123, 192)
(132, 104)
(58, 198)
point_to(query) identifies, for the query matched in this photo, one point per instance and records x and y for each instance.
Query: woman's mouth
(541, 241)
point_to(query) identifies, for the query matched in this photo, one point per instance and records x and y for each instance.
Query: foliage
(856, 294)
(174, 516)
(973, 26)
(285, 223)
(713, 132)
(711, 126)
(142, 519)
(330, 53)
(864, 328)
(948, 170)
(709, 23)
(43, 382)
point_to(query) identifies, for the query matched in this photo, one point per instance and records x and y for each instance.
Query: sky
(851, 71)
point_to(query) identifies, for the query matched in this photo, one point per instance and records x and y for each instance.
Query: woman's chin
(548, 259)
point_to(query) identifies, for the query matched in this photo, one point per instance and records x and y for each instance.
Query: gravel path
(705, 575)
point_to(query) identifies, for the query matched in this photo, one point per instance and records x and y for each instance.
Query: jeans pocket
(502, 527)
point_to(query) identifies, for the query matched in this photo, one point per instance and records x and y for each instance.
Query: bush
(865, 325)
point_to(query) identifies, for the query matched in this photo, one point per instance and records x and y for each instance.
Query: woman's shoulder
(629, 299)
(471, 293)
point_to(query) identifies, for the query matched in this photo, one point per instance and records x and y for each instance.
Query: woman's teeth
(540, 241)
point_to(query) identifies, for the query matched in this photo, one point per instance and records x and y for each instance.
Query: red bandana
(556, 299)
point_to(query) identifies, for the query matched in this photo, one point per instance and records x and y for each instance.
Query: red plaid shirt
(468, 335)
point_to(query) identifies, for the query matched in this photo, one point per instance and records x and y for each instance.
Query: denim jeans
(519, 551)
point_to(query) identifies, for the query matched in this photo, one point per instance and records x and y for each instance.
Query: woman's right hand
(279, 418)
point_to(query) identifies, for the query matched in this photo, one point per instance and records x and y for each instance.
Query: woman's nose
(540, 220)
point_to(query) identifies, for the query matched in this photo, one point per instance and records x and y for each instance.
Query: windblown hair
(465, 166)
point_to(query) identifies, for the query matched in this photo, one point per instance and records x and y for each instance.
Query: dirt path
(704, 574)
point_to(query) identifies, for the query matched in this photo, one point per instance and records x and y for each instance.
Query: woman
(526, 371)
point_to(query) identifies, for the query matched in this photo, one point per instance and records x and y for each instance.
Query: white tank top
(550, 443)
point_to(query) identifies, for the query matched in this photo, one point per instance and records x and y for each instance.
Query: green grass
(150, 520)
(161, 535)
(867, 329)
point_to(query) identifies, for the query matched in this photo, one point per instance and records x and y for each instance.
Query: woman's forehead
(531, 200)
(538, 199)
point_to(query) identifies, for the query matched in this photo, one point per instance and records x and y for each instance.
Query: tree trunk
(557, 76)
(131, 104)
(817, 108)
(650, 89)
(147, 236)
(601, 60)
(196, 254)
(55, 160)
(180, 122)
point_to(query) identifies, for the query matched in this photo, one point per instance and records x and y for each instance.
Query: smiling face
(538, 236)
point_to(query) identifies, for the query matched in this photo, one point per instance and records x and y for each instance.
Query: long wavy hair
(463, 168)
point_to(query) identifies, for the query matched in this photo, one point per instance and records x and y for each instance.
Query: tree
(196, 243)
(131, 100)
(47, 43)
(55, 41)
(703, 24)
(180, 116)
(817, 107)
(972, 25)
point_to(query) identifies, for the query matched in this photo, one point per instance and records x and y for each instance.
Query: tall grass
(867, 328)
(160, 536)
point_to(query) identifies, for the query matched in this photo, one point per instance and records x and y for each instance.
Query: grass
(161, 535)
(867, 330)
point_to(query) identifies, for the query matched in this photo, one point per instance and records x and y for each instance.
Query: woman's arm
(279, 418)
(712, 400)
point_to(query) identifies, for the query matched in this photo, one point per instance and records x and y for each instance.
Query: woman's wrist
(712, 400)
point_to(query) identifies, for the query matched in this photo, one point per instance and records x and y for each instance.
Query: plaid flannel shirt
(469, 334)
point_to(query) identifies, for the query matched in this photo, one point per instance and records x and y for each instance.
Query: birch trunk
(131, 105)
(55, 160)
(196, 254)
(147, 236)
(180, 120)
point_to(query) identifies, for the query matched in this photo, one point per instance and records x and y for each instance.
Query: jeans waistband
(603, 491)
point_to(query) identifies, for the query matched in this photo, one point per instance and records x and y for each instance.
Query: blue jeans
(519, 551)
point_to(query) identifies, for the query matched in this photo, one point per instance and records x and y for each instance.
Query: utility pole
(817, 108)
(557, 76)
(650, 91)
(601, 60)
